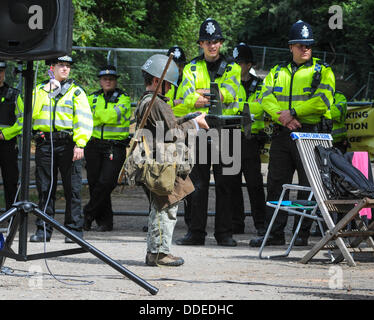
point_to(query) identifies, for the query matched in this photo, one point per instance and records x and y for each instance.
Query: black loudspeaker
(35, 29)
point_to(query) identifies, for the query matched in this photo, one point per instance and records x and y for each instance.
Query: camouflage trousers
(161, 224)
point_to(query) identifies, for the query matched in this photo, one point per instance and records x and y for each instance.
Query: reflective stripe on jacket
(69, 112)
(196, 76)
(111, 119)
(288, 86)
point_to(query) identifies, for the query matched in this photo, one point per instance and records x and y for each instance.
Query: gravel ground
(210, 272)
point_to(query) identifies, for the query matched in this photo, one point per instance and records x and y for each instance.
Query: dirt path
(210, 272)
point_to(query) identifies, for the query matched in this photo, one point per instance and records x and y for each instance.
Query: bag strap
(146, 147)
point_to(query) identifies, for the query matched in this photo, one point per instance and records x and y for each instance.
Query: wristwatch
(293, 112)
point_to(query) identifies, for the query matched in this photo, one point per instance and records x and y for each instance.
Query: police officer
(174, 94)
(250, 88)
(339, 115)
(62, 125)
(106, 150)
(298, 96)
(209, 67)
(11, 121)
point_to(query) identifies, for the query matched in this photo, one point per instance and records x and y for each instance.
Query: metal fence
(267, 57)
(128, 61)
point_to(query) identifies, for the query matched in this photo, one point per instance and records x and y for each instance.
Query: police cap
(60, 59)
(179, 56)
(2, 64)
(210, 30)
(108, 70)
(301, 32)
(242, 53)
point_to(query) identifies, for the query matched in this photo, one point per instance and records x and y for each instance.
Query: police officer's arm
(119, 114)
(179, 108)
(189, 94)
(16, 129)
(229, 88)
(37, 104)
(267, 98)
(82, 122)
(339, 108)
(323, 97)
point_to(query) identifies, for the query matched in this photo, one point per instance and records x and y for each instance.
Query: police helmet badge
(210, 28)
(305, 32)
(235, 53)
(177, 53)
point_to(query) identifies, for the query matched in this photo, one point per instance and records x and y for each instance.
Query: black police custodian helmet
(242, 53)
(2, 64)
(179, 56)
(210, 30)
(301, 32)
(108, 70)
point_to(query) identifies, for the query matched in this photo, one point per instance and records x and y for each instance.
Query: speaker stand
(20, 210)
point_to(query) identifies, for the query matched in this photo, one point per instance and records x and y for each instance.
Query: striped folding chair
(349, 209)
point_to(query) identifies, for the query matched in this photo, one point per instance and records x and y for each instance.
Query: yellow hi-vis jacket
(180, 110)
(111, 116)
(70, 112)
(196, 76)
(255, 108)
(338, 116)
(287, 86)
(12, 123)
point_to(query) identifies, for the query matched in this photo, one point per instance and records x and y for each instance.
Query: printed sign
(360, 128)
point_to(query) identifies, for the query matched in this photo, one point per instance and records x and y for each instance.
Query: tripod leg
(88, 247)
(12, 230)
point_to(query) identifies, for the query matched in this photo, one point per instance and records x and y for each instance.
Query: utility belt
(61, 136)
(9, 142)
(324, 126)
(109, 142)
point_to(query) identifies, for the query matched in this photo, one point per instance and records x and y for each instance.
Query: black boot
(271, 241)
(87, 222)
(190, 240)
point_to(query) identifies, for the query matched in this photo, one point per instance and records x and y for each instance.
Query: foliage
(161, 24)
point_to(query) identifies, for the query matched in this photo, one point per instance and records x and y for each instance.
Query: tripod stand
(21, 209)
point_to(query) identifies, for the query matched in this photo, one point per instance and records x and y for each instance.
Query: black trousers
(9, 169)
(71, 175)
(102, 175)
(196, 204)
(251, 169)
(284, 160)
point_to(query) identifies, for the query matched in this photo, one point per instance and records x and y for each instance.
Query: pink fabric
(360, 160)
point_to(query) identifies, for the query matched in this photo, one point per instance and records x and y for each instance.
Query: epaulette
(324, 63)
(120, 91)
(78, 85)
(97, 93)
(198, 58)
